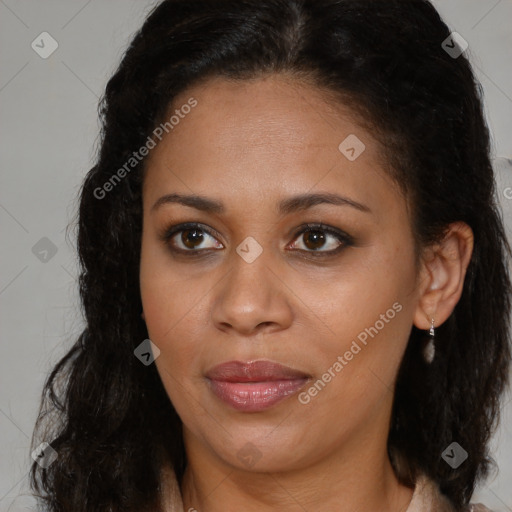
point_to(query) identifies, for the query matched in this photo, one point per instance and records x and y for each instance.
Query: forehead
(269, 112)
(264, 138)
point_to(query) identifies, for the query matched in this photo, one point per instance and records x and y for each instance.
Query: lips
(254, 385)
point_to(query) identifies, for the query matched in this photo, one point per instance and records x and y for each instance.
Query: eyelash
(345, 239)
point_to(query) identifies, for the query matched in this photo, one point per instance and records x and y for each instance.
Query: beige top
(426, 497)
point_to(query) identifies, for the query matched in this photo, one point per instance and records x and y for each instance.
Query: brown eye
(313, 239)
(191, 237)
(321, 240)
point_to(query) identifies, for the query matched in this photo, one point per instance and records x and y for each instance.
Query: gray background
(48, 132)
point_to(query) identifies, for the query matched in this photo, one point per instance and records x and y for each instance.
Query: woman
(339, 338)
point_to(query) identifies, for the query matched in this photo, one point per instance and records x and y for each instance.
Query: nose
(252, 298)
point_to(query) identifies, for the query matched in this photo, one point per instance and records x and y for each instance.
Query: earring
(429, 350)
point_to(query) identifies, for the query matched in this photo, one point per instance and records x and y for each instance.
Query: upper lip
(253, 371)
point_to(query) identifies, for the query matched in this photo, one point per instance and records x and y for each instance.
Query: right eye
(188, 238)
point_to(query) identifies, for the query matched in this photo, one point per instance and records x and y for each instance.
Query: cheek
(168, 297)
(366, 317)
(167, 302)
(173, 312)
(170, 313)
(361, 295)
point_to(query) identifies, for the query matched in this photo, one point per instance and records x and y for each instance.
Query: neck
(358, 476)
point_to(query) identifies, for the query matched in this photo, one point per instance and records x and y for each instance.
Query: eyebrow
(286, 206)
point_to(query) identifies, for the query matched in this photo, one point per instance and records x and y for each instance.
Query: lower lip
(255, 396)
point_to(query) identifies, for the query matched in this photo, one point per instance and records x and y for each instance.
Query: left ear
(442, 275)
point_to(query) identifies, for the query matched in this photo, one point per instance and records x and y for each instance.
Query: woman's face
(251, 282)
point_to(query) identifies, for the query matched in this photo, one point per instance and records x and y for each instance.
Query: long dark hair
(107, 415)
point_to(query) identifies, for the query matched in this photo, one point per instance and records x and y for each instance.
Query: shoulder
(428, 497)
(170, 493)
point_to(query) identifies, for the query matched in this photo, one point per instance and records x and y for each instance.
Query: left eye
(320, 239)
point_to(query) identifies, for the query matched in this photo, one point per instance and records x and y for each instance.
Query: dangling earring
(429, 350)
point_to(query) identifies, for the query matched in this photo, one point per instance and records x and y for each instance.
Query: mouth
(254, 385)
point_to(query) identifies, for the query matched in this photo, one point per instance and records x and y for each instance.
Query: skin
(251, 144)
